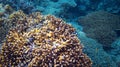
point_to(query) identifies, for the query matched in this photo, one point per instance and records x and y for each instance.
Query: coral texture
(26, 5)
(101, 26)
(37, 41)
(67, 9)
(5, 22)
(99, 57)
(115, 52)
(94, 50)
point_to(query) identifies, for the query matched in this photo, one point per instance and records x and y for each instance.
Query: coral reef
(67, 9)
(26, 5)
(8, 19)
(5, 23)
(99, 57)
(115, 52)
(94, 50)
(101, 26)
(37, 40)
(58, 8)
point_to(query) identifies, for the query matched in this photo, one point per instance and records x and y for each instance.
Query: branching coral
(9, 19)
(38, 41)
(5, 23)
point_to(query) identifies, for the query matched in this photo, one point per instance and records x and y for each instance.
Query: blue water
(84, 15)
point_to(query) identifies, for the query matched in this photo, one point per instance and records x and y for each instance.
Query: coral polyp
(42, 41)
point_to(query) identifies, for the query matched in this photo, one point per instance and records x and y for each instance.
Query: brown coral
(38, 41)
(5, 23)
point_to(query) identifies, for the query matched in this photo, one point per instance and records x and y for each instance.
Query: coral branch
(38, 41)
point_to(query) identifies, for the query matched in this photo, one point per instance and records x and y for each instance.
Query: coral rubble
(101, 26)
(37, 40)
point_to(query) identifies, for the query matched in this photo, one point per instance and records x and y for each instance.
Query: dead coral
(38, 41)
(101, 26)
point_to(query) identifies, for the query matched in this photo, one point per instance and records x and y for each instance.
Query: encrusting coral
(42, 41)
(102, 26)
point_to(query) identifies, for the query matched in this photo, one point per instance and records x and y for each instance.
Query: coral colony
(30, 39)
(36, 40)
(102, 26)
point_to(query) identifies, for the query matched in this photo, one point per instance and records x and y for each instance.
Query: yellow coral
(54, 43)
(19, 14)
